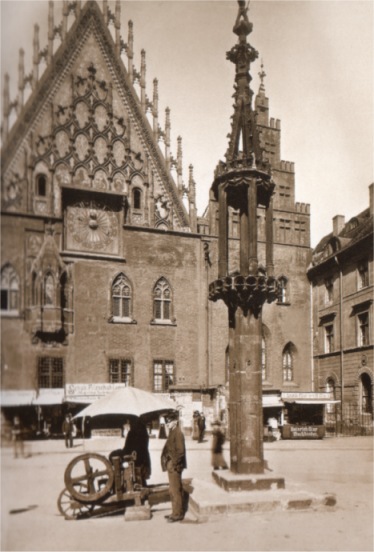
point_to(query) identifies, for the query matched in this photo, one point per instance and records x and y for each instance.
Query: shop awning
(49, 397)
(17, 397)
(271, 401)
(306, 401)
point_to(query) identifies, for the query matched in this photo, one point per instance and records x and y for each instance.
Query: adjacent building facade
(105, 263)
(341, 276)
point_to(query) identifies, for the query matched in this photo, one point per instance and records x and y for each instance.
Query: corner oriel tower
(244, 183)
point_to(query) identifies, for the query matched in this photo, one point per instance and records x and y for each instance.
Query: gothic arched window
(9, 290)
(162, 301)
(288, 357)
(41, 185)
(121, 298)
(136, 198)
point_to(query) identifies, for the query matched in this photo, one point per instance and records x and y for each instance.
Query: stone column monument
(243, 183)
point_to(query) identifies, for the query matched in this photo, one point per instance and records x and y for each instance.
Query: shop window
(363, 275)
(136, 198)
(121, 299)
(363, 329)
(41, 185)
(120, 371)
(366, 394)
(9, 290)
(283, 292)
(50, 372)
(329, 291)
(329, 338)
(288, 362)
(163, 375)
(162, 301)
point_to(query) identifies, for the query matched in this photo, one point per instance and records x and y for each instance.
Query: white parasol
(129, 401)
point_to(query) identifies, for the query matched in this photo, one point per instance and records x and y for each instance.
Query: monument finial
(262, 75)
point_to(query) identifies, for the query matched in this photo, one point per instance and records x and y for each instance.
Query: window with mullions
(162, 301)
(329, 338)
(363, 329)
(363, 275)
(121, 299)
(50, 372)
(163, 375)
(329, 291)
(9, 290)
(120, 371)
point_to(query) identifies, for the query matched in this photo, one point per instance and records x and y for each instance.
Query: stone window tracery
(121, 299)
(162, 302)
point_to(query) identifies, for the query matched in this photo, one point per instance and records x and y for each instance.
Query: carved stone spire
(155, 109)
(179, 165)
(130, 50)
(51, 33)
(142, 80)
(21, 79)
(35, 59)
(244, 140)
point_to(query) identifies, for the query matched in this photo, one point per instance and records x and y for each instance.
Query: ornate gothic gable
(84, 127)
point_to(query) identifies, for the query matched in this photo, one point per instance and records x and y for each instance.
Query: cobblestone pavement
(30, 487)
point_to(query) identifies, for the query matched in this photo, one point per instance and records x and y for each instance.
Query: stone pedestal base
(238, 482)
(209, 500)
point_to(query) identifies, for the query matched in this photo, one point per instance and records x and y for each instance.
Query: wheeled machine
(96, 486)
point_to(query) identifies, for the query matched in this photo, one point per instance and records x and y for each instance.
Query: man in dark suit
(173, 460)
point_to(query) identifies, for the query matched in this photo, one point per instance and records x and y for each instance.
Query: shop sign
(303, 432)
(89, 392)
(311, 396)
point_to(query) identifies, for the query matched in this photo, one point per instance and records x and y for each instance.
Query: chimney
(371, 196)
(338, 223)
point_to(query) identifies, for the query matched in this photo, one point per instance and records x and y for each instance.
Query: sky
(318, 59)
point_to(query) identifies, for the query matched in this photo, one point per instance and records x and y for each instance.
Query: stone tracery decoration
(88, 139)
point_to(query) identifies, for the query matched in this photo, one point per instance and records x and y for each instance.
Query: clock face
(91, 226)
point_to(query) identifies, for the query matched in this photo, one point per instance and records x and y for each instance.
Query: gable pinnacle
(262, 75)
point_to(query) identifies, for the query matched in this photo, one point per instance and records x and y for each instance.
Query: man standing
(68, 430)
(173, 460)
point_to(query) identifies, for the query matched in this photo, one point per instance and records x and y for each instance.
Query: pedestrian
(218, 439)
(137, 440)
(68, 430)
(173, 460)
(17, 437)
(201, 424)
(162, 430)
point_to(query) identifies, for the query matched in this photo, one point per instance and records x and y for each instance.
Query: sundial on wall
(91, 226)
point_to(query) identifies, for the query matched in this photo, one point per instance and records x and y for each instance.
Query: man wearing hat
(173, 460)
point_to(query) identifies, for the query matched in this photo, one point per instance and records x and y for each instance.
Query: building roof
(352, 232)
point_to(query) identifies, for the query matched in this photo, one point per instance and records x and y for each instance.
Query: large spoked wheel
(71, 508)
(89, 477)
